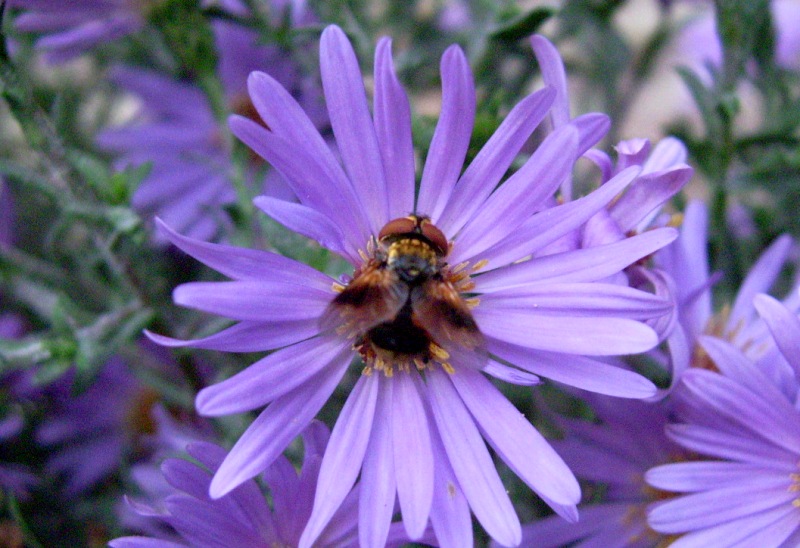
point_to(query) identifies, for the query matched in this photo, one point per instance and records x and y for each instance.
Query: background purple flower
(243, 517)
(612, 456)
(91, 434)
(744, 423)
(191, 178)
(70, 28)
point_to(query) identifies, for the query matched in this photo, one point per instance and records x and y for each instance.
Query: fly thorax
(414, 260)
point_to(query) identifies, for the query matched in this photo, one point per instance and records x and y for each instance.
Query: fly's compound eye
(403, 225)
(435, 236)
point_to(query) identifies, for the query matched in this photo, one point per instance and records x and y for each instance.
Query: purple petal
(450, 515)
(770, 528)
(305, 221)
(762, 275)
(784, 326)
(352, 124)
(730, 400)
(567, 334)
(592, 127)
(343, 457)
(583, 265)
(582, 299)
(711, 442)
(273, 376)
(491, 163)
(553, 223)
(263, 300)
(393, 129)
(378, 485)
(647, 195)
(668, 153)
(554, 75)
(514, 201)
(187, 477)
(275, 427)
(509, 374)
(143, 542)
(471, 462)
(203, 523)
(451, 137)
(578, 371)
(410, 436)
(688, 477)
(515, 439)
(735, 365)
(247, 336)
(246, 264)
(711, 508)
(310, 180)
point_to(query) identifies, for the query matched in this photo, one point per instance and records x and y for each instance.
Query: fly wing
(439, 309)
(375, 296)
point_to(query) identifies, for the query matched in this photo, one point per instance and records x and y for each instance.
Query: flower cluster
(259, 292)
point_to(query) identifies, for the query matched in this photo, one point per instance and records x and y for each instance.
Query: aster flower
(89, 435)
(686, 261)
(746, 426)
(190, 178)
(423, 389)
(243, 517)
(612, 456)
(70, 28)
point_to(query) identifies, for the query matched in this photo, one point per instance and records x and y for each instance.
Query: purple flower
(612, 456)
(745, 425)
(454, 292)
(191, 174)
(91, 434)
(71, 28)
(243, 517)
(686, 261)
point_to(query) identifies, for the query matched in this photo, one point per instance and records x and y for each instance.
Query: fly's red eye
(435, 237)
(403, 225)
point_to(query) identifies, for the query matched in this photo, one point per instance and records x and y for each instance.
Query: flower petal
(784, 326)
(276, 426)
(393, 129)
(515, 439)
(246, 264)
(343, 457)
(247, 336)
(413, 457)
(710, 508)
(263, 300)
(577, 371)
(582, 265)
(378, 485)
(451, 137)
(352, 124)
(305, 221)
(737, 404)
(689, 477)
(567, 334)
(582, 299)
(553, 223)
(310, 179)
(516, 198)
(491, 163)
(272, 377)
(471, 462)
(761, 277)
